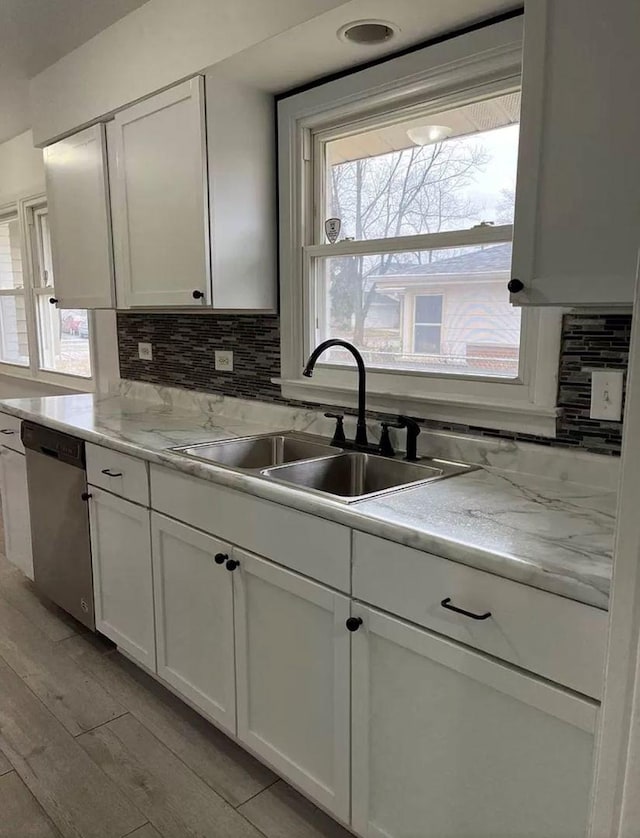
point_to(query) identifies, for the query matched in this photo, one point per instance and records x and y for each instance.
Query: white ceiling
(312, 49)
(35, 34)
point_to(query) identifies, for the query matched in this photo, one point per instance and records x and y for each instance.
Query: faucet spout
(361, 427)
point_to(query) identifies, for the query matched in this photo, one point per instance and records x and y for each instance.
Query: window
(427, 324)
(49, 343)
(14, 343)
(397, 212)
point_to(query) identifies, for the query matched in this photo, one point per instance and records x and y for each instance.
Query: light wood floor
(91, 747)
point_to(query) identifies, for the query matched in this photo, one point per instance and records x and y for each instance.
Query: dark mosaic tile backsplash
(183, 347)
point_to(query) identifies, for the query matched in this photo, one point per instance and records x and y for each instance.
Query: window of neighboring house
(51, 344)
(397, 211)
(427, 325)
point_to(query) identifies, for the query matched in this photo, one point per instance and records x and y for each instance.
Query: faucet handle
(338, 434)
(413, 432)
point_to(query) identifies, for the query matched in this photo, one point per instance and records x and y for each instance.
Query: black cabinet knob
(53, 300)
(515, 286)
(220, 558)
(197, 295)
(353, 623)
(86, 495)
(232, 564)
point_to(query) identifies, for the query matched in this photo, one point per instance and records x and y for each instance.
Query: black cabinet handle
(515, 286)
(110, 473)
(197, 295)
(220, 558)
(232, 564)
(7, 431)
(86, 495)
(353, 623)
(52, 300)
(446, 603)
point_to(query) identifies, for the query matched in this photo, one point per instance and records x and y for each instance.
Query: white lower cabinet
(451, 744)
(293, 671)
(193, 592)
(122, 574)
(15, 509)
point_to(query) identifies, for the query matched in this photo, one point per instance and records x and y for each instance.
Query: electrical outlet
(145, 351)
(606, 395)
(223, 360)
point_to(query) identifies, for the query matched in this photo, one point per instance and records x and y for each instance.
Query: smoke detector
(367, 33)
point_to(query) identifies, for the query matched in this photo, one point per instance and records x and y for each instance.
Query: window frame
(479, 64)
(26, 209)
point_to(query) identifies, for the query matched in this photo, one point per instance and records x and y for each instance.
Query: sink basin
(258, 452)
(356, 476)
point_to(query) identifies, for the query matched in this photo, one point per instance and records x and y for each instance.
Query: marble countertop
(551, 534)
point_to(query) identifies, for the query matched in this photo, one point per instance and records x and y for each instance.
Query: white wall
(154, 46)
(21, 168)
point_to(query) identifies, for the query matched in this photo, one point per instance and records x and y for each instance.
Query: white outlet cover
(145, 351)
(223, 360)
(606, 395)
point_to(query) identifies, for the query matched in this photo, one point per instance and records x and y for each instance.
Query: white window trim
(487, 60)
(102, 325)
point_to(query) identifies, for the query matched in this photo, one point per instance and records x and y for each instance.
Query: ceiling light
(368, 33)
(426, 134)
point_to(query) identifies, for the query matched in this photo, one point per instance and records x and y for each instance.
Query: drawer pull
(353, 623)
(110, 473)
(221, 558)
(232, 564)
(446, 603)
(7, 431)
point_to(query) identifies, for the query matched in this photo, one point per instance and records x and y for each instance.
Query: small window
(427, 325)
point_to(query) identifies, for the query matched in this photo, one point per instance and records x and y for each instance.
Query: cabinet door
(292, 661)
(451, 744)
(80, 220)
(577, 221)
(194, 617)
(159, 200)
(122, 574)
(15, 509)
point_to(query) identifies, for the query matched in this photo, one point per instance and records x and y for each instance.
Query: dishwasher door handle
(49, 452)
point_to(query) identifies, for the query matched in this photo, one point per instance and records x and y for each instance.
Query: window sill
(64, 382)
(518, 418)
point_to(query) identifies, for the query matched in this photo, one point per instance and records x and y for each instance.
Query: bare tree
(408, 192)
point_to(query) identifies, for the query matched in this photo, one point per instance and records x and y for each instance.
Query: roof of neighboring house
(490, 260)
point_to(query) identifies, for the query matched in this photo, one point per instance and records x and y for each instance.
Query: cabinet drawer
(314, 547)
(556, 638)
(118, 473)
(10, 432)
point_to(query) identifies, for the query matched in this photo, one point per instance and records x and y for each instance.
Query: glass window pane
(14, 343)
(44, 276)
(447, 171)
(10, 253)
(63, 339)
(429, 309)
(443, 311)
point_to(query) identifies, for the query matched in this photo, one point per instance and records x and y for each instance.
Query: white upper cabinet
(577, 225)
(79, 217)
(157, 151)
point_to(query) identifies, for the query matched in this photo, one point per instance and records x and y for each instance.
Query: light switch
(606, 394)
(145, 351)
(223, 360)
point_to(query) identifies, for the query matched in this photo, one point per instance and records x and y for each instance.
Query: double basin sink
(302, 461)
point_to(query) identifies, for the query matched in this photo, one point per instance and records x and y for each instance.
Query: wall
(183, 346)
(154, 46)
(21, 168)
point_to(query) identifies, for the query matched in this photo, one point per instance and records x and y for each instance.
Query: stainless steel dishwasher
(57, 481)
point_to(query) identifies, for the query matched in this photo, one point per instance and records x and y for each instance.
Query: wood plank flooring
(92, 747)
